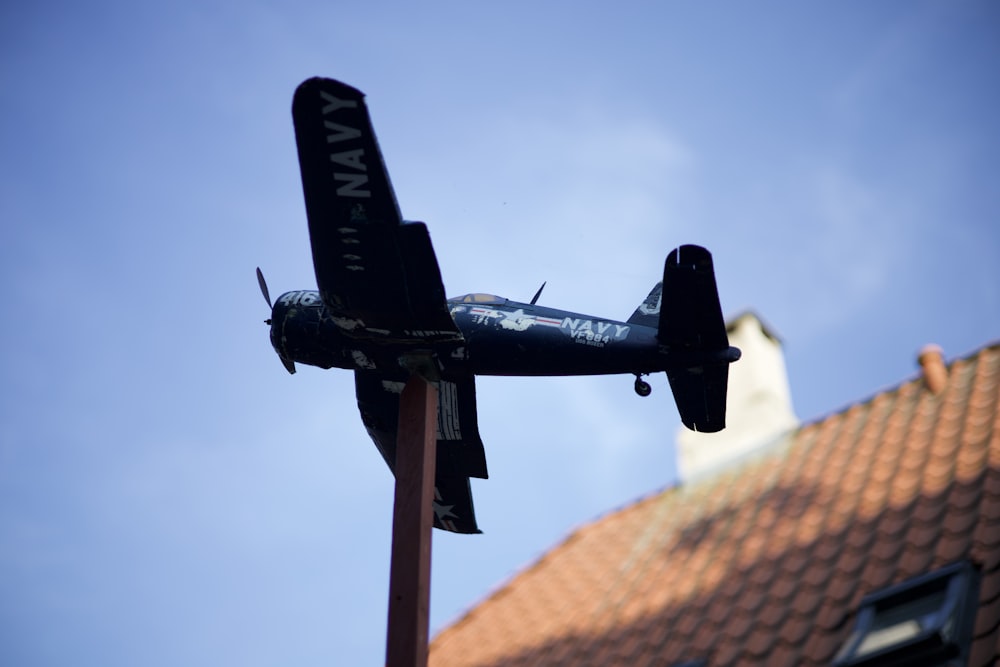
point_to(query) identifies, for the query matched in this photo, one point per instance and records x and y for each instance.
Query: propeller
(285, 361)
(263, 287)
(265, 292)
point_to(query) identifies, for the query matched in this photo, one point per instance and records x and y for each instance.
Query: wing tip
(326, 82)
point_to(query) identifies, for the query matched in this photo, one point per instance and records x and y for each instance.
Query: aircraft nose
(276, 322)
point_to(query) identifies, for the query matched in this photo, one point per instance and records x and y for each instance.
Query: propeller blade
(263, 288)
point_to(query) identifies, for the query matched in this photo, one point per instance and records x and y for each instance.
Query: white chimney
(758, 407)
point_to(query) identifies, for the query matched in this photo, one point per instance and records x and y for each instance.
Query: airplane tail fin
(648, 312)
(692, 330)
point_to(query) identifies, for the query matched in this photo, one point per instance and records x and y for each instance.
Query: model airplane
(381, 303)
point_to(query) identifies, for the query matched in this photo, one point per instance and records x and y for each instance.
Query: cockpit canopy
(490, 299)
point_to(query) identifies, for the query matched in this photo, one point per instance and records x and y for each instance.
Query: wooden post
(412, 521)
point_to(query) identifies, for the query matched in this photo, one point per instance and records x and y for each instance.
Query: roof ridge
(993, 345)
(574, 535)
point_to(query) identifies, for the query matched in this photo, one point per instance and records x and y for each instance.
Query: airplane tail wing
(692, 330)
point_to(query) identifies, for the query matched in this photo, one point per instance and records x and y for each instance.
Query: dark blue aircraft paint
(381, 302)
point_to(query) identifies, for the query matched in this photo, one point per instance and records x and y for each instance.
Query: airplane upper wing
(460, 453)
(376, 274)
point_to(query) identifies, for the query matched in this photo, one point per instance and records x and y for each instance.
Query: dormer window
(924, 621)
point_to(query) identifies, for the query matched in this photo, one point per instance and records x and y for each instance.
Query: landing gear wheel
(642, 387)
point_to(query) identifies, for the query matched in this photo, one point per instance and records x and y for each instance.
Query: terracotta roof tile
(782, 655)
(726, 652)
(914, 561)
(989, 586)
(852, 558)
(772, 614)
(959, 523)
(928, 509)
(984, 652)
(705, 639)
(765, 564)
(831, 614)
(735, 620)
(986, 636)
(841, 587)
(893, 523)
(759, 644)
(966, 494)
(860, 535)
(795, 631)
(986, 538)
(877, 575)
(949, 552)
(922, 536)
(688, 624)
(988, 618)
(797, 561)
(821, 646)
(991, 477)
(783, 588)
(887, 549)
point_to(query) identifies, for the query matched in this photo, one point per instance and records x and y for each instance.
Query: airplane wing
(700, 394)
(377, 274)
(693, 330)
(460, 453)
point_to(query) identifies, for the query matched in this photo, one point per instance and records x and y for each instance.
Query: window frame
(943, 634)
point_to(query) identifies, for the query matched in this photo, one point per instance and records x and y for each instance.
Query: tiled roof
(767, 563)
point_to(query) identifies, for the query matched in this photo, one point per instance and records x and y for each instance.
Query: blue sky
(169, 495)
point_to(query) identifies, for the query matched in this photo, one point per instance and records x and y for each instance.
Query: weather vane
(381, 311)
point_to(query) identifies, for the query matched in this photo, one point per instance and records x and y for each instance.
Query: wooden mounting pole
(412, 521)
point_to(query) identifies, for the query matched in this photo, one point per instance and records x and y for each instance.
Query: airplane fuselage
(499, 337)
